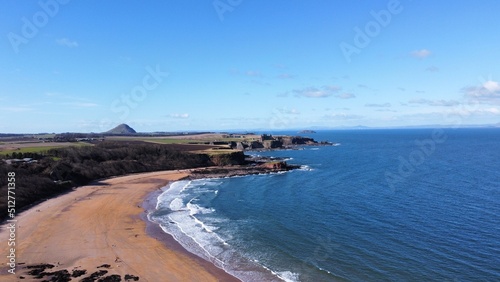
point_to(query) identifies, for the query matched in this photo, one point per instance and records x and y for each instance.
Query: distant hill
(121, 129)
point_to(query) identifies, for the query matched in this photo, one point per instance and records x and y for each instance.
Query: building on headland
(265, 137)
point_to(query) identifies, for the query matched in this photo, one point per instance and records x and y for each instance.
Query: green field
(38, 149)
(217, 152)
(155, 140)
(171, 141)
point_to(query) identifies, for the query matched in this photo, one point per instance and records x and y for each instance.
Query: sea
(380, 205)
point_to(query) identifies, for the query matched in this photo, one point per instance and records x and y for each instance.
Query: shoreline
(102, 229)
(252, 269)
(154, 230)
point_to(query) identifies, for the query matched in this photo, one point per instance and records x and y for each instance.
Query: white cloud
(488, 92)
(442, 103)
(385, 105)
(179, 116)
(319, 92)
(421, 54)
(345, 96)
(292, 112)
(492, 86)
(314, 92)
(341, 116)
(475, 112)
(67, 42)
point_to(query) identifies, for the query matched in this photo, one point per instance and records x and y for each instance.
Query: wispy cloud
(19, 109)
(439, 103)
(286, 76)
(179, 116)
(488, 92)
(421, 54)
(432, 69)
(67, 42)
(345, 96)
(80, 104)
(280, 66)
(314, 92)
(253, 73)
(292, 111)
(485, 111)
(341, 116)
(68, 100)
(385, 105)
(285, 111)
(250, 73)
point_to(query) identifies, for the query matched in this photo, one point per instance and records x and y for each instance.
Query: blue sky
(240, 64)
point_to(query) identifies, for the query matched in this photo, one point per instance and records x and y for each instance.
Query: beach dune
(99, 227)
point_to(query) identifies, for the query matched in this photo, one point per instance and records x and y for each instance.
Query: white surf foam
(180, 215)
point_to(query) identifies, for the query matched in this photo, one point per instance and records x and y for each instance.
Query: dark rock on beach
(78, 273)
(129, 277)
(111, 278)
(94, 276)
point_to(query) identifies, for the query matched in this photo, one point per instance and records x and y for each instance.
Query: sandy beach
(101, 227)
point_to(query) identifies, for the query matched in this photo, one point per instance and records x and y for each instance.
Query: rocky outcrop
(272, 144)
(224, 159)
(275, 142)
(275, 165)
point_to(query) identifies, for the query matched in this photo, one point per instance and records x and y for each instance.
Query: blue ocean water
(385, 205)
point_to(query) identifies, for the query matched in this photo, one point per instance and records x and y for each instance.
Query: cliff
(275, 142)
(224, 159)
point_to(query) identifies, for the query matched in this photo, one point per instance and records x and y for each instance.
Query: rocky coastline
(268, 141)
(252, 165)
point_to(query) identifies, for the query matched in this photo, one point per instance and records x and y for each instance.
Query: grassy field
(171, 141)
(37, 148)
(159, 140)
(212, 152)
